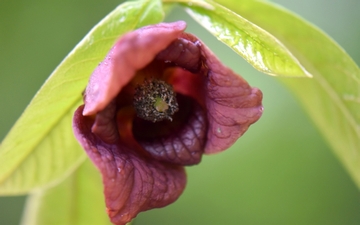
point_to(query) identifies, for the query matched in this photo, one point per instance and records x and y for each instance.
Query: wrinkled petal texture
(131, 183)
(141, 171)
(232, 105)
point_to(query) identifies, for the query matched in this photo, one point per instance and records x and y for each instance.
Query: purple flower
(158, 101)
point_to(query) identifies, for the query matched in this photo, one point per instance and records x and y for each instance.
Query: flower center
(155, 101)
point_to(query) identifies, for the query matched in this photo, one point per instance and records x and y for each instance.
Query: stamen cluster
(155, 100)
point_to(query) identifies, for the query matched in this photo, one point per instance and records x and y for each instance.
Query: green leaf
(262, 50)
(40, 149)
(77, 200)
(332, 98)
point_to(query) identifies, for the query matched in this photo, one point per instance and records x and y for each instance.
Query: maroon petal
(232, 105)
(183, 53)
(183, 147)
(142, 170)
(131, 183)
(132, 52)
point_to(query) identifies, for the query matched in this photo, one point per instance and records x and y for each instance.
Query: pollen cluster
(155, 101)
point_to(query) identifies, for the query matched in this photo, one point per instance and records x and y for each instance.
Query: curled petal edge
(132, 52)
(133, 183)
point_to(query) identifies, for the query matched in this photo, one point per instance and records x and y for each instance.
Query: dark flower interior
(142, 161)
(180, 141)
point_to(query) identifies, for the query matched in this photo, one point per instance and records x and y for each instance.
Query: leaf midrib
(338, 101)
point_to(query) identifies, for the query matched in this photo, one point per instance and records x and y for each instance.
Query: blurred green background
(280, 172)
